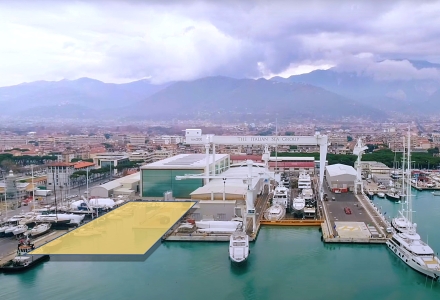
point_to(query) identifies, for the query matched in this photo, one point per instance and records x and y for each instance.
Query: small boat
(23, 263)
(40, 229)
(393, 196)
(275, 212)
(370, 195)
(24, 247)
(381, 195)
(239, 247)
(20, 229)
(434, 193)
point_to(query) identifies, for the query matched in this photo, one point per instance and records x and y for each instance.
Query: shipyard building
(159, 177)
(340, 177)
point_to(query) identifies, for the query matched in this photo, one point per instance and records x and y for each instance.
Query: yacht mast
(408, 185)
(276, 146)
(6, 202)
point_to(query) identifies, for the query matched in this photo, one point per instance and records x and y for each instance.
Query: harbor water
(285, 263)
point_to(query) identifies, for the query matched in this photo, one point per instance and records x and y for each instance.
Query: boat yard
(215, 199)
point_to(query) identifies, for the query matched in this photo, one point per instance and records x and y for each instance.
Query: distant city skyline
(123, 41)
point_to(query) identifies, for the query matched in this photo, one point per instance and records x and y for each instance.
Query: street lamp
(224, 189)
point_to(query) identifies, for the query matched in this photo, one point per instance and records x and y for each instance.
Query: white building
(126, 186)
(340, 177)
(58, 176)
(167, 139)
(137, 140)
(141, 156)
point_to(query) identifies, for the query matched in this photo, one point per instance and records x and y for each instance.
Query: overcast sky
(120, 41)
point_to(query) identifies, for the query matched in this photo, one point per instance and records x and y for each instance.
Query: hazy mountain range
(319, 94)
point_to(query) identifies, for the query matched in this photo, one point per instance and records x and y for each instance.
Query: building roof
(291, 158)
(60, 164)
(340, 169)
(83, 164)
(376, 164)
(230, 186)
(184, 161)
(246, 157)
(117, 183)
(289, 164)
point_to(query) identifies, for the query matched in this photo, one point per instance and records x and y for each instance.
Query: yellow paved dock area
(352, 230)
(130, 229)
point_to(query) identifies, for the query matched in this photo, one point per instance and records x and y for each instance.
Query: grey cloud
(183, 40)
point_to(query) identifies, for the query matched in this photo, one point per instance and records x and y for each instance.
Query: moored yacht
(415, 253)
(393, 195)
(281, 195)
(239, 247)
(307, 194)
(405, 241)
(275, 212)
(20, 229)
(40, 229)
(381, 195)
(309, 211)
(298, 205)
(304, 181)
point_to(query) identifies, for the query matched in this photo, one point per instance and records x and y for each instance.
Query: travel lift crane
(195, 137)
(358, 150)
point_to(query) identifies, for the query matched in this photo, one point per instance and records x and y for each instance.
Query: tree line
(386, 156)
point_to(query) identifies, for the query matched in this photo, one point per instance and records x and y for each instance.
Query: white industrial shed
(128, 186)
(233, 189)
(340, 177)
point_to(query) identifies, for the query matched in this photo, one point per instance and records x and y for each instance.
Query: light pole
(224, 189)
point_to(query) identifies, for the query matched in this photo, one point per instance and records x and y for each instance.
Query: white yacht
(304, 181)
(307, 194)
(275, 212)
(298, 205)
(13, 223)
(405, 241)
(68, 219)
(239, 247)
(415, 253)
(281, 196)
(309, 211)
(3, 227)
(20, 229)
(40, 229)
(381, 195)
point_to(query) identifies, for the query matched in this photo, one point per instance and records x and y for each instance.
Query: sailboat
(407, 244)
(393, 195)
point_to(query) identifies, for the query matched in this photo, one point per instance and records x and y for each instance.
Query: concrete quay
(8, 247)
(363, 224)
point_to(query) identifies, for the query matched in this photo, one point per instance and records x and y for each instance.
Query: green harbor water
(285, 263)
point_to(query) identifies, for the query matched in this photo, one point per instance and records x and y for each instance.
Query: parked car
(347, 210)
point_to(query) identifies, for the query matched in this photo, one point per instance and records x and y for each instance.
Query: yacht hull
(394, 198)
(407, 260)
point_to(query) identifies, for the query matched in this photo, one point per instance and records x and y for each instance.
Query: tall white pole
(6, 201)
(409, 204)
(33, 187)
(87, 182)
